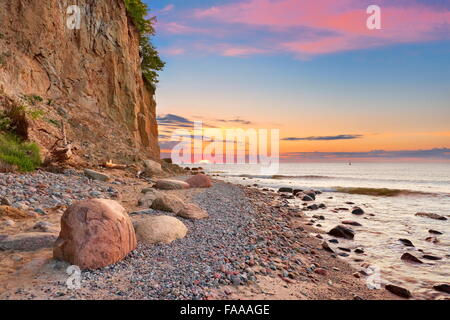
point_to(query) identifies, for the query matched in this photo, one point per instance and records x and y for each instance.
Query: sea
(390, 194)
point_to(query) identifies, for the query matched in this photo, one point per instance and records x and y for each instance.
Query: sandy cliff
(90, 78)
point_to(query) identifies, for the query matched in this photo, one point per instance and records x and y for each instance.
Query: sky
(335, 89)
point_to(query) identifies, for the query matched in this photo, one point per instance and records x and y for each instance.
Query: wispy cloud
(325, 138)
(234, 121)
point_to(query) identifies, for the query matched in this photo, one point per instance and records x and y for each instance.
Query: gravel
(213, 253)
(44, 190)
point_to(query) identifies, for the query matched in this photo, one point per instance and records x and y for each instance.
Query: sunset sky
(311, 68)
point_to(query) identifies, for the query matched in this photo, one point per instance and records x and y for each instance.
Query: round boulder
(160, 229)
(167, 184)
(168, 203)
(192, 211)
(199, 181)
(94, 234)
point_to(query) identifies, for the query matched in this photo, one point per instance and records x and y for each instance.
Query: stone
(399, 291)
(357, 211)
(29, 241)
(192, 211)
(342, 232)
(13, 213)
(152, 168)
(320, 271)
(431, 216)
(94, 234)
(95, 175)
(410, 258)
(168, 203)
(199, 181)
(326, 247)
(43, 226)
(430, 257)
(406, 242)
(284, 189)
(147, 199)
(159, 229)
(307, 198)
(359, 250)
(352, 223)
(435, 232)
(442, 288)
(167, 184)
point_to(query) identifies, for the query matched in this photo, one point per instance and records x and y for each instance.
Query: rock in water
(342, 232)
(192, 211)
(290, 190)
(95, 233)
(160, 229)
(152, 168)
(431, 216)
(435, 232)
(352, 223)
(357, 211)
(326, 247)
(430, 257)
(406, 242)
(399, 291)
(199, 181)
(94, 175)
(167, 184)
(409, 257)
(307, 198)
(168, 203)
(442, 288)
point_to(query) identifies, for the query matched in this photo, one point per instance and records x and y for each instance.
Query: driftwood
(65, 152)
(110, 165)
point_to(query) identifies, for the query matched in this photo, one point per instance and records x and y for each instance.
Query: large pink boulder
(94, 234)
(199, 181)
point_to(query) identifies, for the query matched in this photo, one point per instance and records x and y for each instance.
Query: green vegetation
(24, 155)
(32, 99)
(54, 122)
(151, 62)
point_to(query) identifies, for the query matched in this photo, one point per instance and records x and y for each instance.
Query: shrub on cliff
(151, 62)
(17, 153)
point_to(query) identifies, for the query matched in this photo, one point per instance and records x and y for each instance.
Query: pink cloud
(345, 19)
(178, 28)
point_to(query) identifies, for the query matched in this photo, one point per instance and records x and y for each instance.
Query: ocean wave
(382, 192)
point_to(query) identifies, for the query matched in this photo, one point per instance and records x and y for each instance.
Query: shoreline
(283, 257)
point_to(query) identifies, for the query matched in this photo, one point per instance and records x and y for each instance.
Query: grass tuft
(15, 152)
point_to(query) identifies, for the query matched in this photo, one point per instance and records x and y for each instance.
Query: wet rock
(342, 232)
(307, 198)
(297, 191)
(432, 239)
(357, 211)
(29, 241)
(431, 216)
(160, 229)
(406, 242)
(290, 190)
(430, 257)
(311, 194)
(345, 249)
(333, 241)
(95, 233)
(199, 181)
(442, 288)
(313, 207)
(352, 223)
(435, 232)
(359, 251)
(410, 258)
(398, 291)
(95, 175)
(326, 247)
(168, 184)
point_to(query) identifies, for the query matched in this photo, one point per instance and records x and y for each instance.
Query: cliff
(88, 78)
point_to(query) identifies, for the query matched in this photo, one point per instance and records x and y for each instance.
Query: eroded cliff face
(90, 78)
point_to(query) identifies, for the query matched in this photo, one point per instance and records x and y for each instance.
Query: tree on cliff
(151, 62)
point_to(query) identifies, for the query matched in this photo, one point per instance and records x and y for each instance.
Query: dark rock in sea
(410, 258)
(307, 198)
(343, 254)
(432, 239)
(312, 194)
(285, 190)
(318, 192)
(345, 249)
(326, 247)
(342, 232)
(430, 257)
(297, 191)
(350, 203)
(399, 291)
(358, 211)
(406, 242)
(333, 241)
(322, 206)
(431, 216)
(359, 251)
(352, 223)
(434, 231)
(442, 288)
(342, 209)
